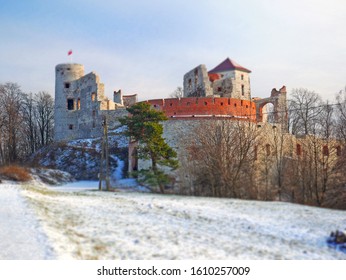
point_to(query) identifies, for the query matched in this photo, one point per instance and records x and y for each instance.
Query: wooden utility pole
(104, 165)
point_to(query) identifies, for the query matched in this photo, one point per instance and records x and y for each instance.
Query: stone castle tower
(228, 79)
(80, 103)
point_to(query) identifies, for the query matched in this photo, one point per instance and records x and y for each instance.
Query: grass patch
(15, 173)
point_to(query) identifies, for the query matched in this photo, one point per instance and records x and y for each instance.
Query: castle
(81, 106)
(223, 92)
(276, 159)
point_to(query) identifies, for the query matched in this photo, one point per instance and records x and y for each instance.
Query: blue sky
(146, 47)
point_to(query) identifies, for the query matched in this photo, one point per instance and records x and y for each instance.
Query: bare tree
(305, 107)
(45, 117)
(341, 115)
(178, 93)
(11, 98)
(31, 131)
(26, 122)
(220, 158)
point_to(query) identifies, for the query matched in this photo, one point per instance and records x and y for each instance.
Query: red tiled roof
(213, 76)
(228, 65)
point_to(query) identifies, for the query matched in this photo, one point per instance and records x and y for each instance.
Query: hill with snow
(81, 158)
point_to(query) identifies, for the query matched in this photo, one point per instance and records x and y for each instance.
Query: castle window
(325, 150)
(70, 104)
(190, 84)
(247, 106)
(338, 151)
(171, 104)
(78, 104)
(242, 90)
(241, 102)
(299, 150)
(221, 103)
(205, 103)
(255, 152)
(268, 150)
(235, 104)
(196, 76)
(67, 85)
(242, 77)
(93, 96)
(219, 89)
(70, 126)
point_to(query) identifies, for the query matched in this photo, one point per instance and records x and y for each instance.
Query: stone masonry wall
(80, 104)
(196, 83)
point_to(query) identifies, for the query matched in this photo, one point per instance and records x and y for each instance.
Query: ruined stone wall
(279, 100)
(196, 83)
(80, 104)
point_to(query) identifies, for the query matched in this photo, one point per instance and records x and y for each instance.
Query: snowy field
(21, 236)
(79, 222)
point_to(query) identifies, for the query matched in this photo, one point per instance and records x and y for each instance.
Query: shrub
(15, 173)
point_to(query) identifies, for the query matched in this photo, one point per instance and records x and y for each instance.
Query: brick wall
(205, 106)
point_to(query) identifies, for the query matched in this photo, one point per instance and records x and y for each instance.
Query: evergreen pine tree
(143, 126)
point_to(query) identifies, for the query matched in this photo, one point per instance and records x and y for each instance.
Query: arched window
(325, 150)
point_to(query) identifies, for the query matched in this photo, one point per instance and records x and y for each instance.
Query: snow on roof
(228, 65)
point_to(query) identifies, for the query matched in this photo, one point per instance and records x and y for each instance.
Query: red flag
(69, 52)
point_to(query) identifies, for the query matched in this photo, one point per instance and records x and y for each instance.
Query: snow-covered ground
(86, 224)
(21, 235)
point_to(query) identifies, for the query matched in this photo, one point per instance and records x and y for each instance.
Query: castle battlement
(205, 107)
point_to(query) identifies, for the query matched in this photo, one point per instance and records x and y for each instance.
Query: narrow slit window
(70, 104)
(268, 150)
(299, 150)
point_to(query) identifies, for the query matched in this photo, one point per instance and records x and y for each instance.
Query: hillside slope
(81, 158)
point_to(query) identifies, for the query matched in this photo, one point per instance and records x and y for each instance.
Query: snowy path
(125, 225)
(21, 237)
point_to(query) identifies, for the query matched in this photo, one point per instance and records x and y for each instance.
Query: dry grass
(15, 173)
